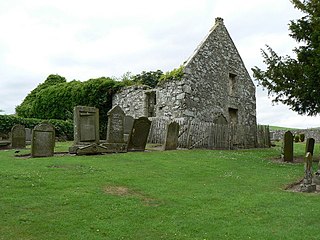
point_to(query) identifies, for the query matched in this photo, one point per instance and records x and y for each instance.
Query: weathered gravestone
(115, 130)
(43, 140)
(139, 134)
(307, 184)
(288, 147)
(86, 131)
(310, 145)
(18, 136)
(127, 126)
(171, 139)
(28, 135)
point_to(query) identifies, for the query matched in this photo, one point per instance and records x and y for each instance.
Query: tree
(26, 109)
(296, 82)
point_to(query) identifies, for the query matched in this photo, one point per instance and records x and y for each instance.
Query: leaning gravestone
(86, 131)
(288, 147)
(171, 140)
(307, 184)
(127, 126)
(310, 145)
(43, 140)
(139, 134)
(115, 141)
(18, 136)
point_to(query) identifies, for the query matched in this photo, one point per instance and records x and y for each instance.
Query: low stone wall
(309, 133)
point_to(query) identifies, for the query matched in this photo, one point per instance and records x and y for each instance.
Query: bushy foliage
(64, 129)
(302, 137)
(175, 74)
(296, 138)
(150, 78)
(55, 99)
(25, 109)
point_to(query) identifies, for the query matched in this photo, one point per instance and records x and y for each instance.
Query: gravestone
(28, 135)
(307, 184)
(18, 136)
(115, 141)
(86, 131)
(171, 139)
(127, 126)
(139, 134)
(310, 145)
(43, 140)
(288, 147)
(115, 128)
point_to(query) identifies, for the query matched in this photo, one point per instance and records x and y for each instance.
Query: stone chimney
(219, 20)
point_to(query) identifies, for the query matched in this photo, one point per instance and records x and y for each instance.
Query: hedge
(64, 129)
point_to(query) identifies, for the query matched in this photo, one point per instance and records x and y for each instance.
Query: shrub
(175, 74)
(302, 137)
(64, 129)
(296, 138)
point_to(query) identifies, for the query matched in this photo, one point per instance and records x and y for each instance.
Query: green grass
(187, 194)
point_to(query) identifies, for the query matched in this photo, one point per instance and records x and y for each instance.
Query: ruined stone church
(215, 88)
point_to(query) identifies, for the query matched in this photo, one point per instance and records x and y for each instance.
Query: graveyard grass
(185, 194)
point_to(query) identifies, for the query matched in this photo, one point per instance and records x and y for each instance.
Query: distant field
(273, 128)
(183, 194)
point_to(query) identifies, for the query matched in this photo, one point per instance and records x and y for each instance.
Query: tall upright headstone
(18, 136)
(115, 131)
(307, 184)
(139, 134)
(43, 140)
(115, 128)
(288, 147)
(310, 145)
(86, 131)
(171, 139)
(127, 126)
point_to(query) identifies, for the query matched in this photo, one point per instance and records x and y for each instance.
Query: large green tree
(296, 81)
(26, 109)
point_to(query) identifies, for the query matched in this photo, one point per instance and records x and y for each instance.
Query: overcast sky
(89, 39)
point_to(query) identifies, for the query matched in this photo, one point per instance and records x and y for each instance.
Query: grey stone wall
(309, 133)
(132, 100)
(207, 73)
(171, 102)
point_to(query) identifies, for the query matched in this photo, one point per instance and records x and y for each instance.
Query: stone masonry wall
(171, 99)
(131, 100)
(220, 84)
(207, 73)
(309, 133)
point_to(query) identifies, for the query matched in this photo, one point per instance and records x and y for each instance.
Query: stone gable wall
(207, 74)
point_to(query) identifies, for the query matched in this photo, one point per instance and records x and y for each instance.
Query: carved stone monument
(288, 147)
(171, 139)
(307, 184)
(310, 145)
(86, 131)
(128, 124)
(43, 140)
(139, 134)
(18, 136)
(115, 141)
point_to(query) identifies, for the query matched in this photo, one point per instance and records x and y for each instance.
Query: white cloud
(86, 39)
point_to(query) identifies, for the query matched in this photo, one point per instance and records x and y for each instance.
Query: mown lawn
(185, 194)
